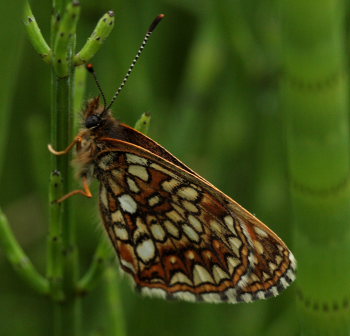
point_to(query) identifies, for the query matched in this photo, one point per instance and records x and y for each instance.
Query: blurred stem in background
(315, 96)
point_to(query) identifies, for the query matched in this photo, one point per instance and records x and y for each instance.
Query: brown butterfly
(176, 234)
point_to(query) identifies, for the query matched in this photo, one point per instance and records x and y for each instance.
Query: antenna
(152, 27)
(91, 69)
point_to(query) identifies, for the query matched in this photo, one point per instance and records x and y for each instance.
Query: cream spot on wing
(138, 171)
(215, 226)
(284, 282)
(258, 247)
(105, 162)
(252, 259)
(247, 297)
(186, 296)
(141, 229)
(254, 278)
(196, 223)
(274, 291)
(219, 274)
(157, 280)
(188, 193)
(189, 206)
(103, 196)
(128, 265)
(173, 260)
(155, 292)
(191, 233)
(272, 266)
(152, 201)
(291, 275)
(243, 281)
(132, 185)
(172, 229)
(245, 230)
(132, 158)
(201, 275)
(174, 216)
(127, 203)
(278, 259)
(181, 278)
(121, 232)
(231, 294)
(158, 232)
(232, 263)
(117, 217)
(116, 189)
(179, 209)
(163, 170)
(170, 185)
(230, 224)
(260, 232)
(265, 276)
(146, 250)
(235, 244)
(261, 295)
(211, 297)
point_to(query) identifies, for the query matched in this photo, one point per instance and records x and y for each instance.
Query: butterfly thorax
(92, 136)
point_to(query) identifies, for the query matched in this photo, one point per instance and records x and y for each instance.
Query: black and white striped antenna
(91, 69)
(152, 27)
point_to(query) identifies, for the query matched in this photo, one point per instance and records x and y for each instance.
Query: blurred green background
(209, 78)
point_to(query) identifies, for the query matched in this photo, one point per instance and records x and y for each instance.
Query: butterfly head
(95, 114)
(93, 121)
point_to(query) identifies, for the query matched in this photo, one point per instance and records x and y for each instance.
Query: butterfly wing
(180, 237)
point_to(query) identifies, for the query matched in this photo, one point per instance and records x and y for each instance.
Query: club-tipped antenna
(151, 28)
(91, 69)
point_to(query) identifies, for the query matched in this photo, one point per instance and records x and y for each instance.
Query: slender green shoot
(98, 265)
(64, 37)
(19, 260)
(79, 87)
(113, 297)
(35, 36)
(143, 123)
(95, 41)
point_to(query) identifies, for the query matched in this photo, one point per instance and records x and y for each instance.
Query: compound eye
(92, 121)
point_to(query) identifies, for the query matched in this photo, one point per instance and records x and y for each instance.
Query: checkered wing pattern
(180, 237)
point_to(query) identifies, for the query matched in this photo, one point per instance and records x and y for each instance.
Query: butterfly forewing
(180, 237)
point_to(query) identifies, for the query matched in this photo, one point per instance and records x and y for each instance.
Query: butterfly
(175, 234)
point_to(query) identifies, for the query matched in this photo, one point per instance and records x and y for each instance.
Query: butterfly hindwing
(180, 237)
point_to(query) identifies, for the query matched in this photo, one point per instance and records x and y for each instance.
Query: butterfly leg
(85, 192)
(77, 141)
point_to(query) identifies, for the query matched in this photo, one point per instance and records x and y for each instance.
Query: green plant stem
(68, 313)
(95, 41)
(315, 94)
(18, 258)
(55, 248)
(35, 35)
